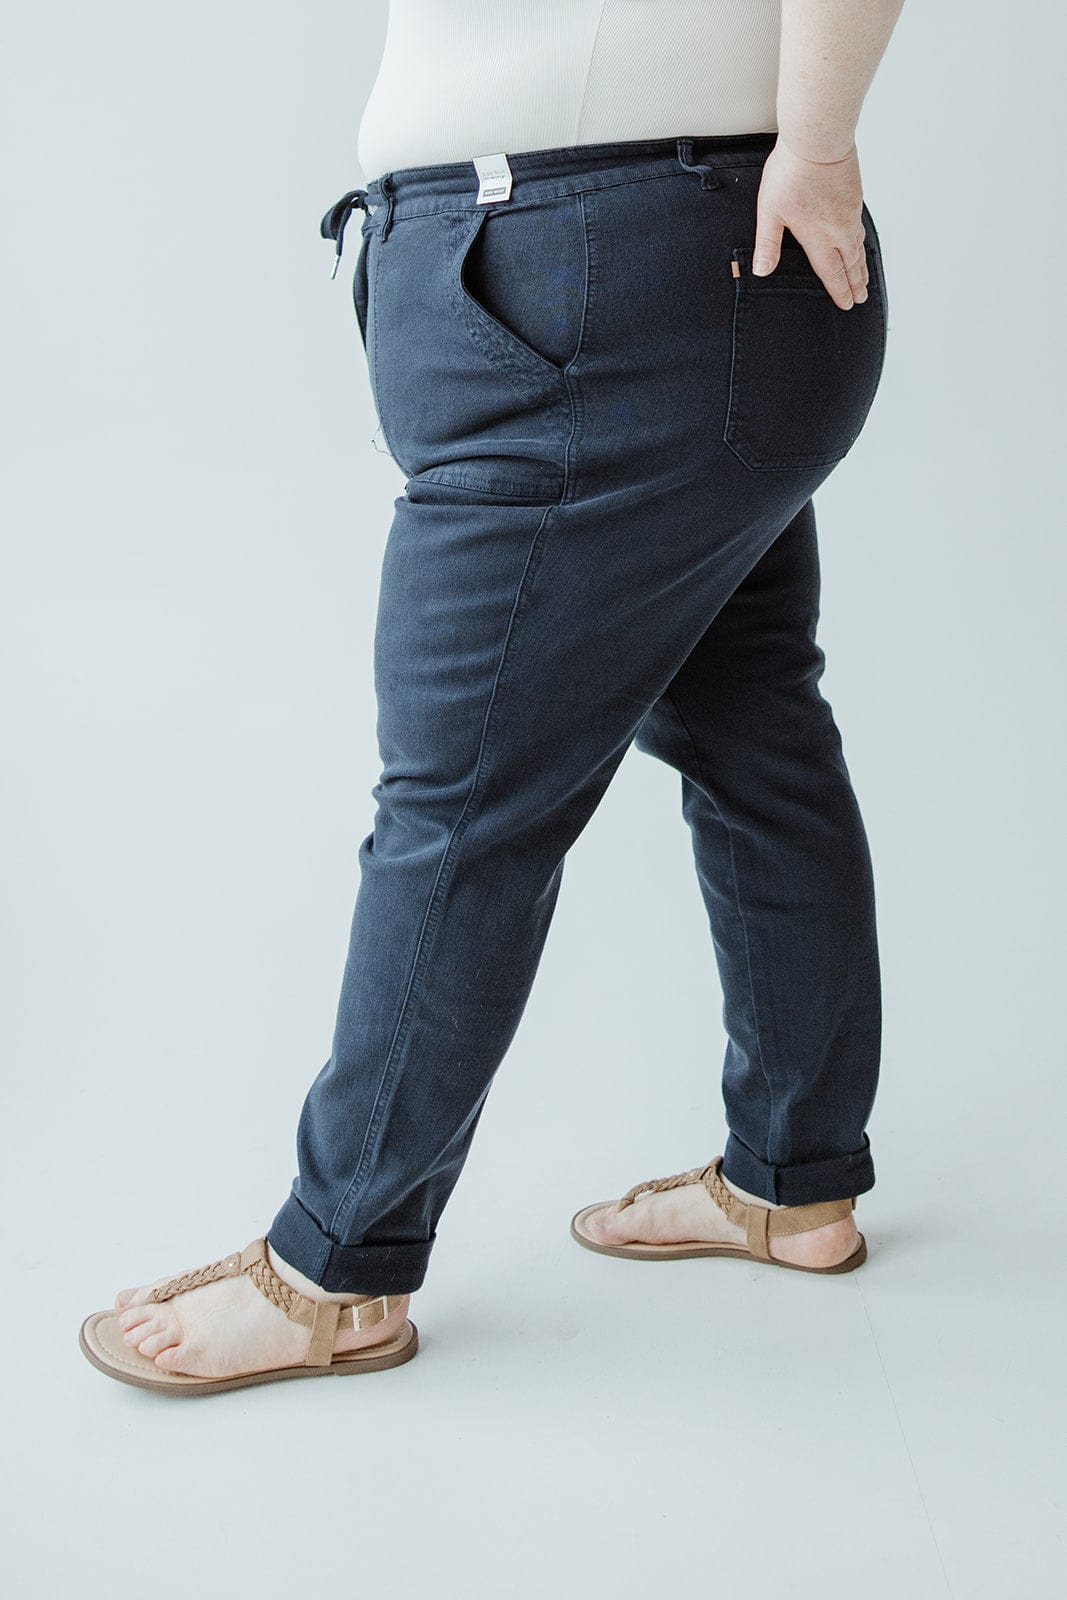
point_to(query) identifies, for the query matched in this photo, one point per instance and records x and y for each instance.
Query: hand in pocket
(820, 203)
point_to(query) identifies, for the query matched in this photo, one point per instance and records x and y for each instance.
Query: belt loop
(709, 178)
(387, 191)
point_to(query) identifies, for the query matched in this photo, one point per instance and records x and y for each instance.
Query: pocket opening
(521, 298)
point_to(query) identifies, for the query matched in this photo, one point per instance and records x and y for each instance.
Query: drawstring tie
(336, 220)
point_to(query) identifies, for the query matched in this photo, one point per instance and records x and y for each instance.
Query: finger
(856, 266)
(831, 269)
(768, 246)
(856, 270)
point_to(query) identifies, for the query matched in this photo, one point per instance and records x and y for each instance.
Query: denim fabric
(610, 432)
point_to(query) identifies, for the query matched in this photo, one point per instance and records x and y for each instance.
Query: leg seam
(705, 786)
(387, 1080)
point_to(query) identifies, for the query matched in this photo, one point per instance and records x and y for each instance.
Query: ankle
(817, 1247)
(824, 1246)
(744, 1194)
(307, 1286)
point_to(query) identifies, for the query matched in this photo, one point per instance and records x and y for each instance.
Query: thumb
(768, 247)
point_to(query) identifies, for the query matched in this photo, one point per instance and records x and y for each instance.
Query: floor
(585, 1425)
(573, 1423)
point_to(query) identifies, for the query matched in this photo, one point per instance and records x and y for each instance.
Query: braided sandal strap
(759, 1222)
(657, 1185)
(325, 1318)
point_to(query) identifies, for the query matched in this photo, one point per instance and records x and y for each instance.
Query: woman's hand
(820, 203)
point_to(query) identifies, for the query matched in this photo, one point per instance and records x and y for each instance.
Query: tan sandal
(759, 1222)
(101, 1334)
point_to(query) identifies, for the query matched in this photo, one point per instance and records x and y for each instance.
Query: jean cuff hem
(386, 1267)
(801, 1184)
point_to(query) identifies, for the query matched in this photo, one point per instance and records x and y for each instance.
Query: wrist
(822, 159)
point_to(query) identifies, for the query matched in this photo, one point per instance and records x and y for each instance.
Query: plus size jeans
(610, 432)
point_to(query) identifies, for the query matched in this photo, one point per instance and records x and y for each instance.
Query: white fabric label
(494, 179)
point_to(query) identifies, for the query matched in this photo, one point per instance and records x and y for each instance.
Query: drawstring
(709, 178)
(336, 219)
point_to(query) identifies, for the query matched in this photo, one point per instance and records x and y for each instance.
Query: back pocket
(803, 370)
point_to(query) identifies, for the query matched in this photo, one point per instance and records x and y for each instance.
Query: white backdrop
(194, 514)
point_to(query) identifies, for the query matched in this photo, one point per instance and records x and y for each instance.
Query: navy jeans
(610, 432)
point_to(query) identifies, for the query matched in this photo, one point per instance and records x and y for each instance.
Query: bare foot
(671, 1216)
(227, 1327)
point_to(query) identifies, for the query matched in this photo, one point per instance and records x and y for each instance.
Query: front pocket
(803, 370)
(521, 276)
(475, 410)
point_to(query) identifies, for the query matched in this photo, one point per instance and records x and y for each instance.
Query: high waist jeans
(610, 431)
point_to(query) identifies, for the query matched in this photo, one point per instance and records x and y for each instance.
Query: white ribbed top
(460, 78)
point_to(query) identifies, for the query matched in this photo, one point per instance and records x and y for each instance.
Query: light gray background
(194, 516)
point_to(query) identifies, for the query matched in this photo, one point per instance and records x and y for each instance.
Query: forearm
(829, 53)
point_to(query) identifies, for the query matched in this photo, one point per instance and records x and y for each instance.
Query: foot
(228, 1327)
(673, 1216)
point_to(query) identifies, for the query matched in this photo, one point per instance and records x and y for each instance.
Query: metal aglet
(336, 264)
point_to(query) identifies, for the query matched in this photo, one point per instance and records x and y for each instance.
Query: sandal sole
(101, 1342)
(687, 1249)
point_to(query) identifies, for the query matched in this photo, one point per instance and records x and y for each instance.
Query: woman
(623, 309)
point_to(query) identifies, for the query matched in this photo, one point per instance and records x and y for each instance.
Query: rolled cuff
(392, 1267)
(836, 1178)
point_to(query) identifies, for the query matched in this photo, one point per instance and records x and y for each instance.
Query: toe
(133, 1316)
(171, 1359)
(141, 1330)
(603, 1224)
(134, 1297)
(156, 1343)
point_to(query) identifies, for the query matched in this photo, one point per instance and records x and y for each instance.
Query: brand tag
(494, 179)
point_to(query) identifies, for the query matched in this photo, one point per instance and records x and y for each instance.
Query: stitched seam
(372, 302)
(387, 1083)
(526, 493)
(159, 1372)
(589, 188)
(706, 788)
(573, 387)
(734, 430)
(505, 355)
(391, 1068)
(506, 348)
